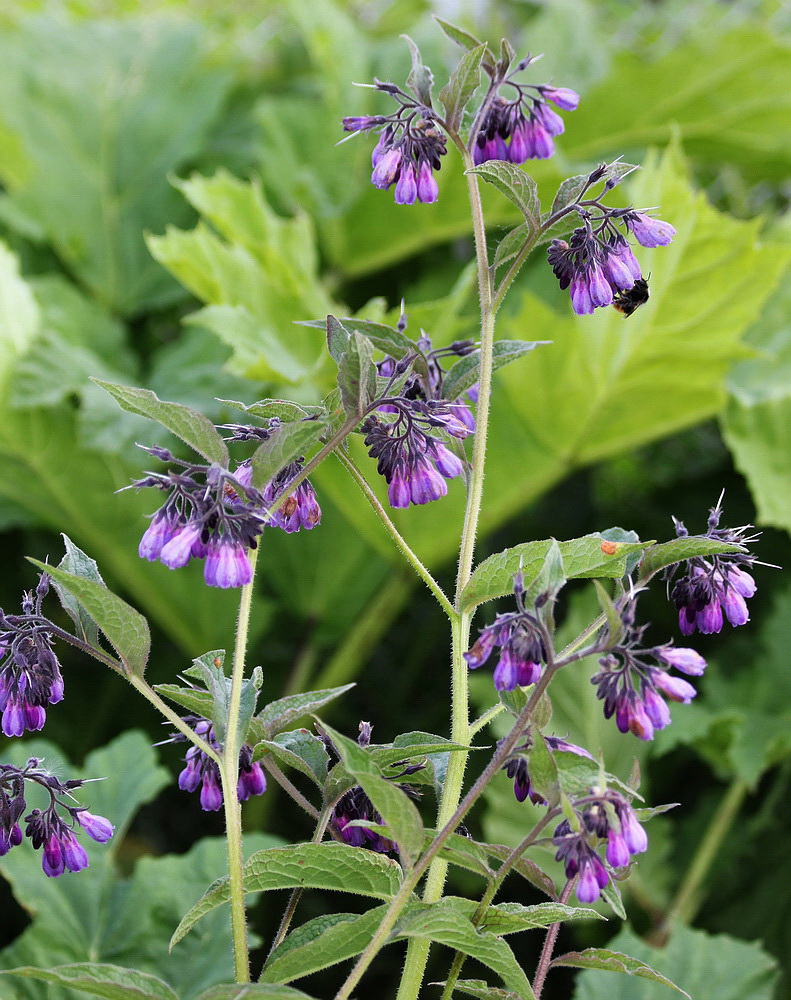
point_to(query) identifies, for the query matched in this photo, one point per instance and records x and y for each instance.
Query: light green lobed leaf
(118, 105)
(314, 866)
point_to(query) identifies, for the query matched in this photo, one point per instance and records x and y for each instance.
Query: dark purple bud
(74, 855)
(211, 792)
(52, 859)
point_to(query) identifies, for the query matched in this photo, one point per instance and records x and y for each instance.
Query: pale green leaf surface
(714, 967)
(482, 991)
(279, 714)
(117, 105)
(613, 961)
(252, 991)
(19, 314)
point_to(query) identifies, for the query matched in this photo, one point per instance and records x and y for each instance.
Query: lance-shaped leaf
(543, 770)
(420, 77)
(515, 184)
(466, 372)
(322, 942)
(126, 629)
(192, 427)
(386, 339)
(583, 558)
(79, 564)
(99, 979)
(309, 866)
(252, 991)
(466, 41)
(481, 990)
(357, 375)
(511, 244)
(511, 918)
(337, 337)
(395, 807)
(209, 669)
(447, 922)
(280, 714)
(464, 81)
(193, 699)
(613, 961)
(286, 443)
(299, 749)
(285, 409)
(656, 557)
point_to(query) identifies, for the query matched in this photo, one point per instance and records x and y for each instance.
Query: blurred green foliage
(174, 203)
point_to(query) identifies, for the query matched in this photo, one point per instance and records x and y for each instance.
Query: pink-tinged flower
(162, 528)
(649, 232)
(561, 97)
(179, 550)
(97, 827)
(688, 661)
(406, 185)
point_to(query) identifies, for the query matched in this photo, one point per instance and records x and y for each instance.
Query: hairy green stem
(403, 895)
(690, 893)
(394, 533)
(229, 775)
(491, 891)
(173, 717)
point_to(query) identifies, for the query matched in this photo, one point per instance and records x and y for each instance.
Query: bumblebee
(626, 301)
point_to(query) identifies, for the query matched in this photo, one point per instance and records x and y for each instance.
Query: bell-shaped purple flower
(650, 232)
(179, 550)
(97, 827)
(227, 565)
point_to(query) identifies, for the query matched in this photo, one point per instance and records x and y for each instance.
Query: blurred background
(173, 202)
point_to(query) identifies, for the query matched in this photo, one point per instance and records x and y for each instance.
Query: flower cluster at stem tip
(413, 459)
(215, 515)
(201, 770)
(30, 677)
(52, 829)
(601, 816)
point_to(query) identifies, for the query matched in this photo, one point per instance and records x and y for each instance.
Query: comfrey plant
(388, 819)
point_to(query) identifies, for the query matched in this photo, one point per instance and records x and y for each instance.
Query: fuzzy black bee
(626, 301)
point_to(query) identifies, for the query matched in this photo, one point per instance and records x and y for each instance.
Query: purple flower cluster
(409, 148)
(202, 770)
(47, 828)
(203, 518)
(597, 264)
(634, 691)
(602, 816)
(299, 510)
(520, 639)
(523, 128)
(518, 767)
(715, 586)
(30, 677)
(353, 805)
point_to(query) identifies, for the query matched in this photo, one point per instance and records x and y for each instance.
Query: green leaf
(193, 699)
(284, 409)
(118, 104)
(299, 749)
(716, 112)
(209, 669)
(252, 991)
(78, 563)
(464, 39)
(465, 373)
(420, 77)
(386, 339)
(322, 942)
(310, 866)
(126, 629)
(19, 314)
(286, 443)
(465, 853)
(511, 244)
(192, 427)
(448, 923)
(657, 557)
(100, 980)
(464, 81)
(357, 375)
(756, 423)
(717, 967)
(279, 714)
(589, 556)
(612, 961)
(480, 989)
(543, 770)
(518, 186)
(337, 337)
(511, 918)
(395, 807)
(257, 273)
